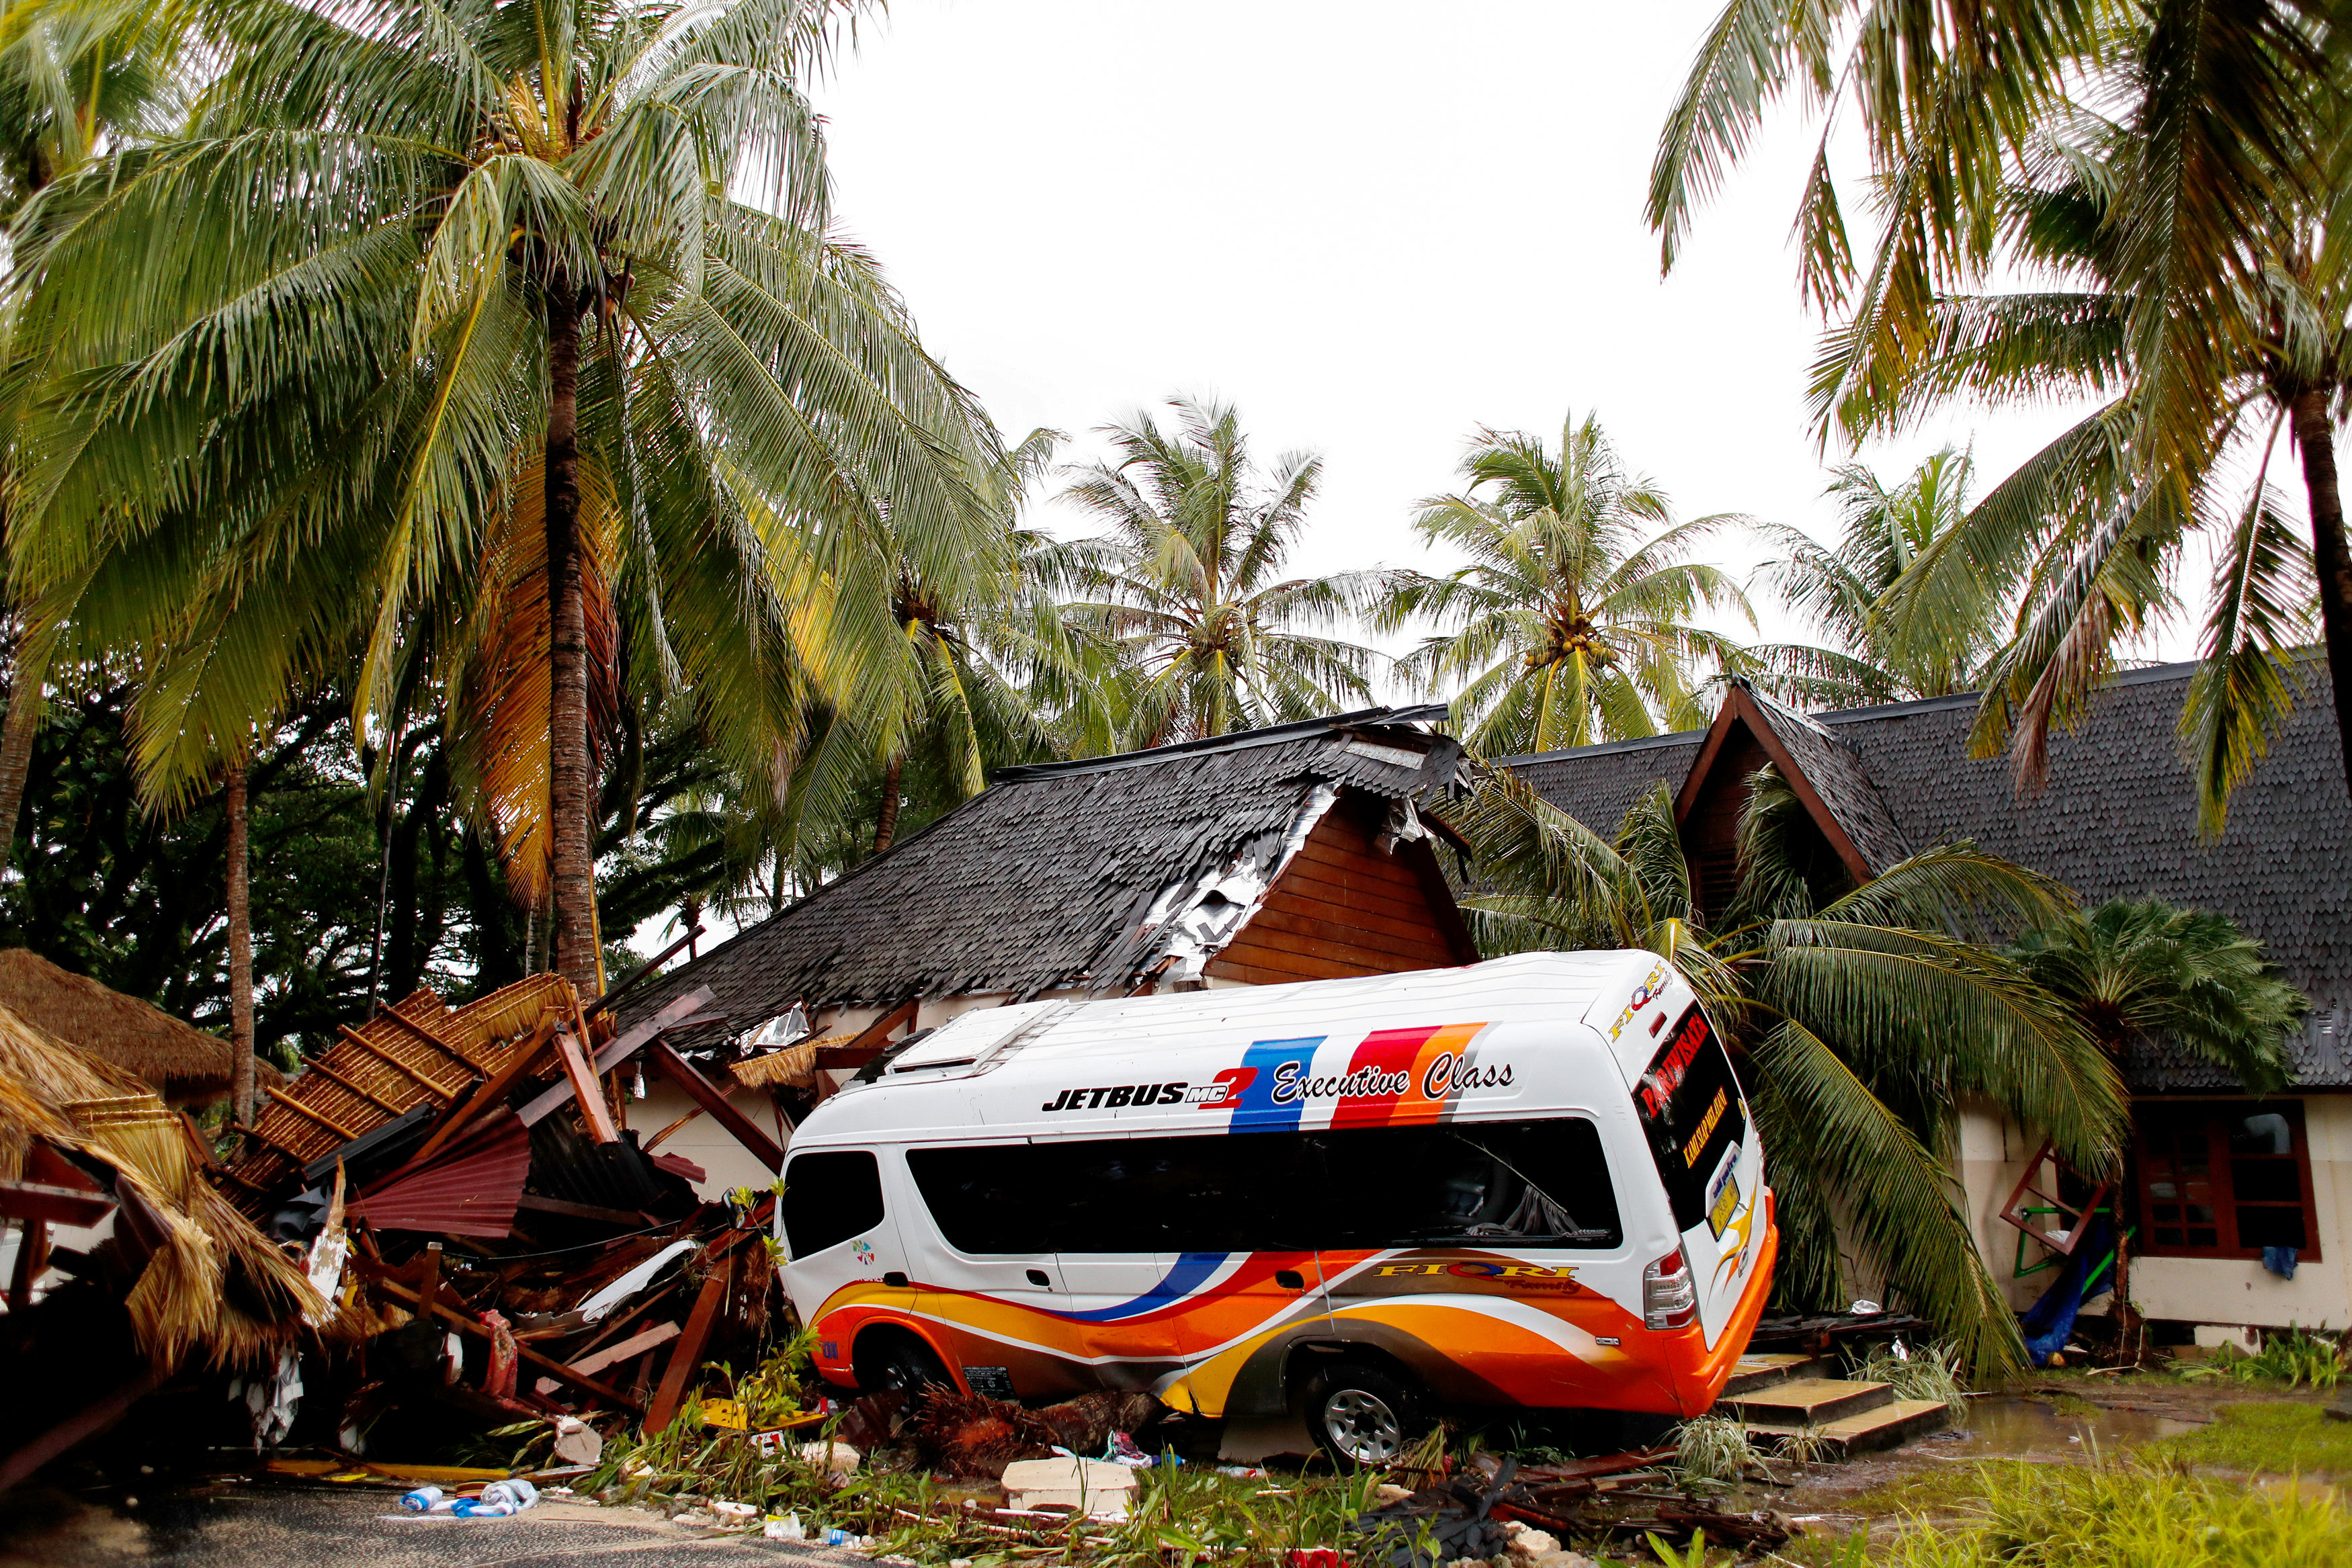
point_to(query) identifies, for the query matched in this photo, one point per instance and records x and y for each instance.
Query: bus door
(1709, 1161)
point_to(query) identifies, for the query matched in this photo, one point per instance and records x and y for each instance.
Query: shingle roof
(1598, 785)
(1837, 775)
(2117, 819)
(1071, 875)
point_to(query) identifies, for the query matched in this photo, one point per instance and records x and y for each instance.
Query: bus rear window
(1690, 1107)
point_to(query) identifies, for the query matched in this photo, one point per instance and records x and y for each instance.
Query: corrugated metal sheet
(470, 1188)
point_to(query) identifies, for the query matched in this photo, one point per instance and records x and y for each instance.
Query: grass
(1938, 1491)
(1712, 1451)
(2130, 1515)
(2265, 1438)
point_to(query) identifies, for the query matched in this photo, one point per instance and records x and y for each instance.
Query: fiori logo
(865, 1250)
(1651, 988)
(1480, 1269)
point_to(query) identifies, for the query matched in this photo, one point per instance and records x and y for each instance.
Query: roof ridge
(1236, 740)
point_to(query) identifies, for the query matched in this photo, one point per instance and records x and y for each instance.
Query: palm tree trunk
(17, 735)
(240, 954)
(570, 791)
(2331, 558)
(886, 827)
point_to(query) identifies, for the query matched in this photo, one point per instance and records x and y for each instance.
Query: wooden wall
(1342, 907)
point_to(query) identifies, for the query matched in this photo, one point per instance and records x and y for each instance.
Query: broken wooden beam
(686, 1354)
(40, 1203)
(586, 1090)
(492, 1092)
(463, 1324)
(745, 1131)
(614, 1052)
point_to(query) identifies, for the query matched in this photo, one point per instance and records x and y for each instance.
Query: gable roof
(1069, 875)
(2117, 819)
(180, 1060)
(1826, 774)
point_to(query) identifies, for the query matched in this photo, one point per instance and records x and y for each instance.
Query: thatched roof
(212, 1284)
(794, 1067)
(180, 1061)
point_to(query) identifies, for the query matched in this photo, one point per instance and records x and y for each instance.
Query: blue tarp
(2048, 1321)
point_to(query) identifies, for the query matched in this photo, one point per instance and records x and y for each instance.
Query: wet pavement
(242, 1526)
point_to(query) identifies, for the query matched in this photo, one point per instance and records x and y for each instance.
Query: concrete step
(1807, 1402)
(1886, 1426)
(1766, 1369)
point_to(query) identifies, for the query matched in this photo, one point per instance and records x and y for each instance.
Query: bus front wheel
(1362, 1414)
(887, 1359)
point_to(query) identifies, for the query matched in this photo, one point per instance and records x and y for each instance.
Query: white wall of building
(725, 1164)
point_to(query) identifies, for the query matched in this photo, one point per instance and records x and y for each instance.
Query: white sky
(1373, 226)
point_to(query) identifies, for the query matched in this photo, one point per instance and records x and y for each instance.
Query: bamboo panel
(446, 1047)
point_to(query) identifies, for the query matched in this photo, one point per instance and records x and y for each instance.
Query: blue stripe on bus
(1256, 1112)
(1192, 1268)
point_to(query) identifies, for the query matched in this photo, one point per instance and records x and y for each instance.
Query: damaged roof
(1081, 875)
(2117, 819)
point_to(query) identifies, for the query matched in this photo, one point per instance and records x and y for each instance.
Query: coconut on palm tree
(1187, 580)
(2135, 970)
(510, 343)
(1573, 620)
(1890, 650)
(1866, 1014)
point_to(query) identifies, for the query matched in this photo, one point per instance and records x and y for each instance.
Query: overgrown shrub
(2291, 1357)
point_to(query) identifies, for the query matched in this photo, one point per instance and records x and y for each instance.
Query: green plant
(2293, 1357)
(1929, 1371)
(1712, 1451)
(1691, 1556)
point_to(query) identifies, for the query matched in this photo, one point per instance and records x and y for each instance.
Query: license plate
(1727, 1199)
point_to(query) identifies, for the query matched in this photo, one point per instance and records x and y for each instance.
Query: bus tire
(1362, 1414)
(887, 1359)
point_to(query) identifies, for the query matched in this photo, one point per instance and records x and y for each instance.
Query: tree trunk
(886, 827)
(240, 954)
(570, 790)
(23, 722)
(2330, 557)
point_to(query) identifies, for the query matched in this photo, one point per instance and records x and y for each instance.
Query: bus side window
(830, 1196)
(988, 1199)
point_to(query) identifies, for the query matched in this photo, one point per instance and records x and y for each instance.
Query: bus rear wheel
(1362, 1414)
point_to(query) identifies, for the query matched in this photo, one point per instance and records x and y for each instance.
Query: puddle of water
(2007, 1427)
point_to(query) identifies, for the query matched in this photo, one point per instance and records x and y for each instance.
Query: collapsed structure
(1304, 851)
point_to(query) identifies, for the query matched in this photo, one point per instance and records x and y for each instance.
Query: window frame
(2218, 1116)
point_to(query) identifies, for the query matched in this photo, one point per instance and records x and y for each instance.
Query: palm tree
(1571, 624)
(74, 78)
(1865, 1013)
(1890, 652)
(512, 342)
(2134, 969)
(1187, 580)
(2089, 547)
(2207, 143)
